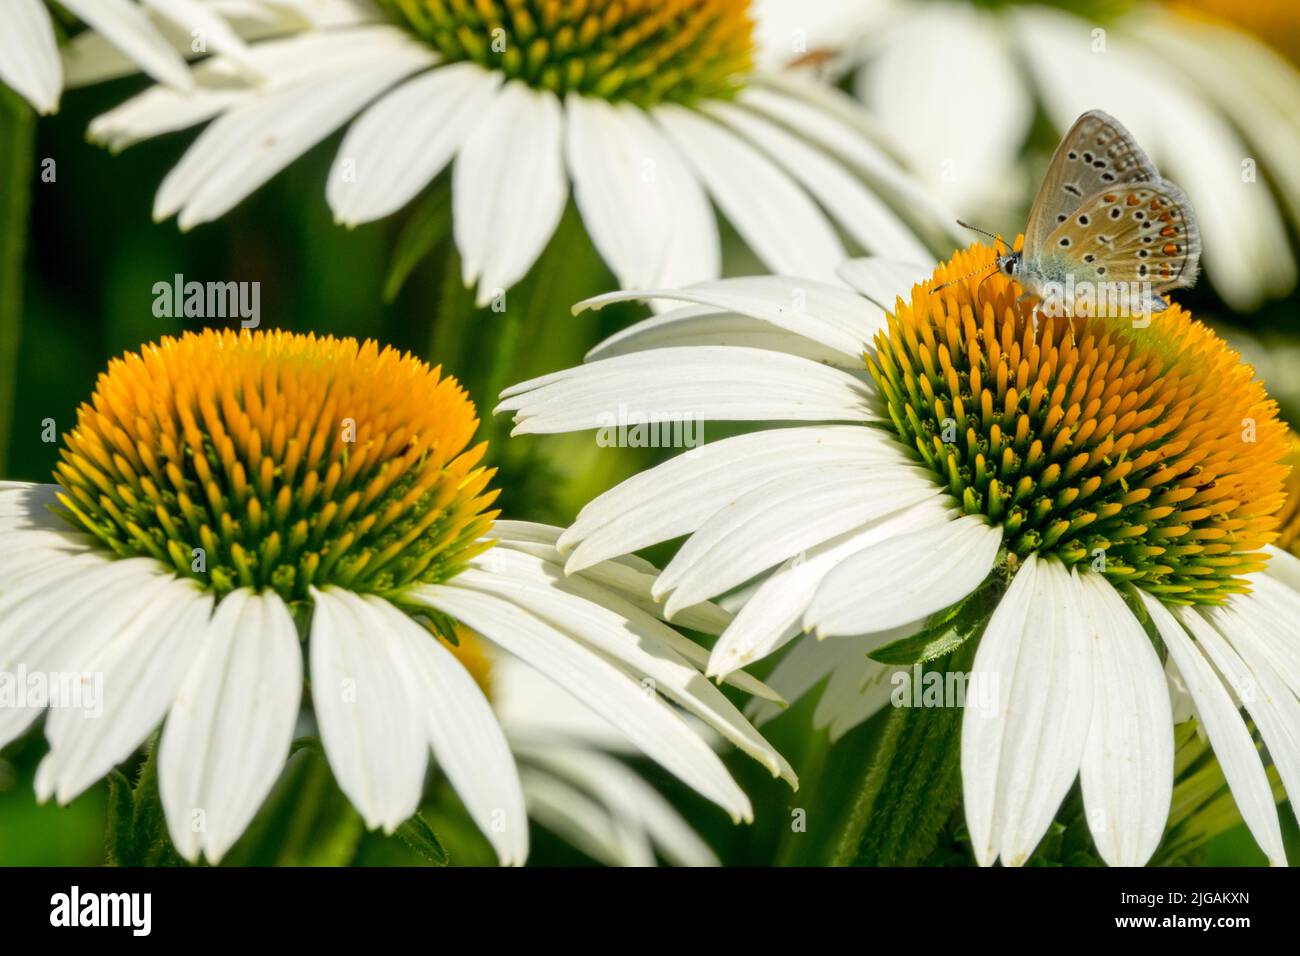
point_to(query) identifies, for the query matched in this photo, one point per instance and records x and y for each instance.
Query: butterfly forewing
(1142, 233)
(1097, 154)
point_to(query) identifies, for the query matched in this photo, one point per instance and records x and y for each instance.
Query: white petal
(831, 316)
(201, 21)
(775, 217)
(695, 325)
(404, 140)
(905, 579)
(774, 614)
(884, 281)
(467, 740)
(635, 195)
(228, 733)
(141, 665)
(1019, 758)
(822, 114)
(29, 56)
(630, 799)
(780, 519)
(125, 25)
(963, 137)
(690, 384)
(369, 727)
(509, 188)
(1228, 734)
(246, 147)
(1268, 700)
(619, 632)
(1128, 764)
(642, 717)
(678, 496)
(858, 211)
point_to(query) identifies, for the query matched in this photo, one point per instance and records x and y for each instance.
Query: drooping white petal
(1269, 701)
(584, 823)
(206, 28)
(247, 146)
(822, 114)
(678, 496)
(829, 315)
(807, 664)
(142, 666)
(774, 614)
(857, 689)
(375, 743)
(228, 733)
(1128, 764)
(29, 55)
(962, 137)
(784, 227)
(398, 145)
(467, 740)
(643, 718)
(905, 579)
(1020, 756)
(780, 519)
(1228, 734)
(635, 195)
(858, 211)
(629, 798)
(509, 188)
(620, 632)
(884, 281)
(691, 384)
(127, 27)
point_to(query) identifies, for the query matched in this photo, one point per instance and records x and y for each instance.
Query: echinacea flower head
(140, 33)
(226, 497)
(1093, 500)
(650, 110)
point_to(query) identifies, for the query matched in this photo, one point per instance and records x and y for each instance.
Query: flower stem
(16, 136)
(907, 794)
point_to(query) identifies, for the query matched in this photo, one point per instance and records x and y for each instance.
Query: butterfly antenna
(963, 279)
(984, 232)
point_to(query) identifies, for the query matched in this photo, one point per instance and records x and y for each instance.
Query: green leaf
(419, 836)
(137, 827)
(427, 226)
(17, 133)
(944, 632)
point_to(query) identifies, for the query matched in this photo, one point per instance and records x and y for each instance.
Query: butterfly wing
(1143, 233)
(1098, 154)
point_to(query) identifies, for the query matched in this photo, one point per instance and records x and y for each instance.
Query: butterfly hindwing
(1097, 154)
(1144, 233)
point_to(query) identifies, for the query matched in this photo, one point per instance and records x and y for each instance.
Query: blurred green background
(93, 256)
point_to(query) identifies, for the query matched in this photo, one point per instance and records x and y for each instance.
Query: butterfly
(1104, 215)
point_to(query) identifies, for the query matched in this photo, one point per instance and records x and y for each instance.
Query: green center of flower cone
(642, 51)
(1148, 454)
(280, 461)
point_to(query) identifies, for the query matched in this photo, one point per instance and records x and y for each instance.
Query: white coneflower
(573, 765)
(233, 495)
(130, 35)
(956, 83)
(1083, 497)
(650, 108)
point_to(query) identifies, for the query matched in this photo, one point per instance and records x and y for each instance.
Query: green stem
(907, 794)
(17, 132)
